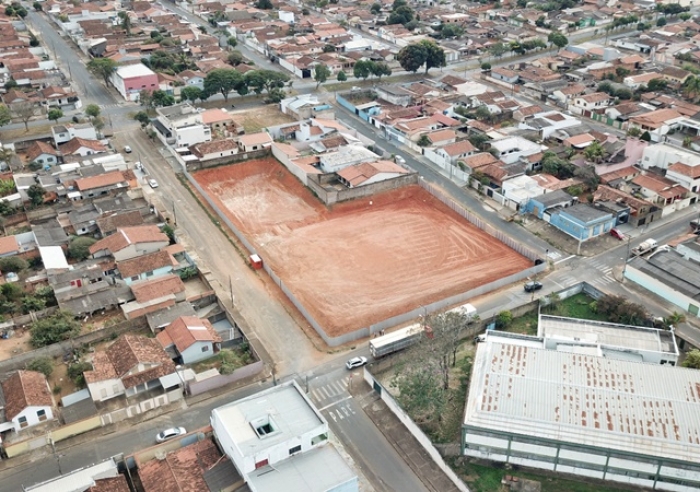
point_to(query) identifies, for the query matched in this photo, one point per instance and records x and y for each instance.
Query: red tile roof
(74, 144)
(8, 244)
(145, 263)
(182, 470)
(126, 236)
(38, 148)
(186, 331)
(115, 484)
(25, 389)
(100, 181)
(147, 290)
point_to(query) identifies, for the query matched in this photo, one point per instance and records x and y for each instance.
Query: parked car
(127, 149)
(617, 234)
(400, 160)
(533, 286)
(153, 183)
(171, 433)
(356, 362)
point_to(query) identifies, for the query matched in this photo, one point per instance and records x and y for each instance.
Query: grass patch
(226, 361)
(481, 478)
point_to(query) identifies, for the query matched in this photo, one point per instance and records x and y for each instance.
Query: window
(264, 426)
(260, 464)
(41, 414)
(23, 422)
(135, 278)
(205, 348)
(294, 450)
(319, 439)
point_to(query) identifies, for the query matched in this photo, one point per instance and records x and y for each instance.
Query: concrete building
(582, 221)
(511, 149)
(582, 414)
(664, 155)
(130, 80)
(278, 440)
(181, 126)
(333, 162)
(100, 477)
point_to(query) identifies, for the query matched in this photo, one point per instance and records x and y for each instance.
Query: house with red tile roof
(28, 400)
(132, 364)
(42, 153)
(151, 265)
(102, 183)
(130, 242)
(366, 173)
(685, 175)
(82, 147)
(189, 339)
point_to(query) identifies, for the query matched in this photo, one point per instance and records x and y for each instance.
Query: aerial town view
(349, 246)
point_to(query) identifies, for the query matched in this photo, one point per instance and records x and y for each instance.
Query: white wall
(104, 390)
(659, 288)
(194, 352)
(184, 137)
(32, 418)
(134, 250)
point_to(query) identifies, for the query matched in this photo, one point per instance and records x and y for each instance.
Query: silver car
(356, 362)
(153, 183)
(171, 433)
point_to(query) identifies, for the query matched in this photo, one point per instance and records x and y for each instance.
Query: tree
(646, 136)
(232, 41)
(170, 232)
(691, 87)
(24, 111)
(143, 118)
(102, 67)
(5, 115)
(619, 310)
(92, 110)
(375, 8)
(362, 69)
(55, 114)
(673, 320)
(594, 152)
(12, 264)
(451, 31)
(657, 84)
(79, 247)
(37, 6)
(125, 21)
(692, 360)
(621, 72)
(486, 66)
(222, 80)
(235, 58)
(43, 365)
(52, 329)
(191, 93)
(36, 194)
(661, 22)
(497, 50)
(412, 57)
(479, 140)
(160, 98)
(557, 39)
(33, 41)
(321, 73)
(685, 16)
(264, 5)
(16, 9)
(435, 55)
(401, 15)
(424, 141)
(32, 303)
(342, 77)
(589, 177)
(379, 69)
(482, 113)
(556, 166)
(634, 132)
(265, 80)
(504, 319)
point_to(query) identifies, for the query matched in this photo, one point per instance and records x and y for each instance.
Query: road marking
(324, 391)
(338, 386)
(334, 403)
(345, 411)
(607, 270)
(316, 395)
(564, 259)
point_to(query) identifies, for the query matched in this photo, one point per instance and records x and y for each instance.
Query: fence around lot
(415, 313)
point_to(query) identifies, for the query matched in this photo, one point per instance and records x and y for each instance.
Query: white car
(400, 160)
(168, 434)
(127, 149)
(153, 183)
(356, 362)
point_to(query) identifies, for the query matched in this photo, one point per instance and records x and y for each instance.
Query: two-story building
(686, 176)
(181, 126)
(130, 80)
(588, 104)
(276, 437)
(662, 192)
(511, 149)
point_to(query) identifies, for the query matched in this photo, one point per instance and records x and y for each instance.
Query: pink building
(130, 80)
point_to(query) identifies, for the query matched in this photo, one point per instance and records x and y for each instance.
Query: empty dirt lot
(363, 261)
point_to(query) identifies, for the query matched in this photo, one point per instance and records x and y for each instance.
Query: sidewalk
(401, 439)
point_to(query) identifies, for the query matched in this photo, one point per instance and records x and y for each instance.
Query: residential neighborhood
(330, 245)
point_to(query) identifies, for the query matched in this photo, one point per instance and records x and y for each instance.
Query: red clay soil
(363, 261)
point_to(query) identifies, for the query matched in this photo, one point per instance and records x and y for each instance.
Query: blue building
(539, 205)
(582, 221)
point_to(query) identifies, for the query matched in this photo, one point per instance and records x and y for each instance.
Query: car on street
(400, 160)
(153, 183)
(171, 433)
(356, 362)
(617, 234)
(533, 286)
(127, 149)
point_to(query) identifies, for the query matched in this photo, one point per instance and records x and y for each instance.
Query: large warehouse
(577, 412)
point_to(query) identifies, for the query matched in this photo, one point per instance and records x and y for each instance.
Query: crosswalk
(333, 399)
(553, 255)
(605, 269)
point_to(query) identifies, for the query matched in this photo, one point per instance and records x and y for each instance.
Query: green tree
(143, 118)
(11, 291)
(556, 166)
(634, 132)
(375, 8)
(76, 372)
(36, 194)
(265, 80)
(482, 113)
(79, 247)
(557, 39)
(486, 66)
(497, 50)
(32, 303)
(657, 84)
(342, 77)
(264, 5)
(661, 21)
(504, 319)
(435, 55)
(52, 329)
(235, 58)
(591, 180)
(321, 74)
(594, 152)
(11, 264)
(170, 232)
(451, 31)
(621, 72)
(37, 6)
(424, 141)
(47, 294)
(232, 41)
(224, 81)
(160, 98)
(92, 110)
(191, 93)
(412, 57)
(362, 69)
(55, 114)
(43, 365)
(692, 359)
(380, 69)
(125, 21)
(5, 115)
(401, 15)
(685, 16)
(102, 67)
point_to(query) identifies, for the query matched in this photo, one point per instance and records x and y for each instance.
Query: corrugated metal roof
(584, 399)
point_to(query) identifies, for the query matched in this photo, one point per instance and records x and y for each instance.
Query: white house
(193, 78)
(216, 149)
(663, 156)
(590, 103)
(520, 189)
(191, 339)
(254, 141)
(181, 126)
(28, 400)
(278, 434)
(685, 175)
(511, 149)
(64, 133)
(450, 153)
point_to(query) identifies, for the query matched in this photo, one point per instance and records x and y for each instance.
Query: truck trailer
(395, 341)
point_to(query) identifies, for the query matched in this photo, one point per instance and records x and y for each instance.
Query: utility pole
(230, 286)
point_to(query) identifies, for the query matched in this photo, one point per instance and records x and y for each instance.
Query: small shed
(256, 262)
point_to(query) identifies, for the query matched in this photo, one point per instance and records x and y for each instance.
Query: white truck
(646, 246)
(467, 310)
(395, 341)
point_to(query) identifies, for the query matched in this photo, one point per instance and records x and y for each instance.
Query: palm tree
(594, 152)
(691, 87)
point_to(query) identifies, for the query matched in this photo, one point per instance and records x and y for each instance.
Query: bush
(52, 329)
(75, 372)
(12, 264)
(43, 365)
(504, 319)
(619, 310)
(79, 247)
(11, 292)
(31, 303)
